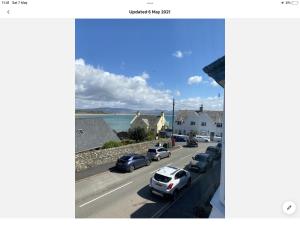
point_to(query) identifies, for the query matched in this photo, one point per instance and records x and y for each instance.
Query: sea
(118, 122)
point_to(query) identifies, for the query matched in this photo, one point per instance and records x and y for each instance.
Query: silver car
(201, 162)
(169, 180)
(158, 153)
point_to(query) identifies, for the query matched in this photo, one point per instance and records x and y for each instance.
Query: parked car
(217, 138)
(169, 180)
(214, 151)
(201, 162)
(180, 138)
(131, 162)
(158, 153)
(202, 138)
(219, 145)
(192, 142)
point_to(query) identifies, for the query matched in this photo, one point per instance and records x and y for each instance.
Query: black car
(201, 162)
(214, 151)
(131, 162)
(180, 138)
(192, 142)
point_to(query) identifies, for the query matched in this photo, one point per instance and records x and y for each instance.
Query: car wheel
(189, 183)
(169, 154)
(131, 168)
(147, 162)
(175, 195)
(158, 158)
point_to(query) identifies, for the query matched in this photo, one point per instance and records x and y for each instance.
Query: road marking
(105, 194)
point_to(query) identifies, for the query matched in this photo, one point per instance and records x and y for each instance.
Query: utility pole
(173, 121)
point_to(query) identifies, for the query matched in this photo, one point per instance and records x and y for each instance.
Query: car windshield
(152, 150)
(200, 158)
(161, 178)
(212, 149)
(125, 158)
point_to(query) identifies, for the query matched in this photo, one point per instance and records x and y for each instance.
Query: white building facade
(201, 122)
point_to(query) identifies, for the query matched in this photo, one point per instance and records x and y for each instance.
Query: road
(114, 194)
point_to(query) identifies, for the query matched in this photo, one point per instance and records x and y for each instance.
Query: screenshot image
(149, 118)
(157, 111)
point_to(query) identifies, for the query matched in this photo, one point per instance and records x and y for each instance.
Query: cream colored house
(149, 122)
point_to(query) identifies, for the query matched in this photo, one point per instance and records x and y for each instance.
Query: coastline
(103, 114)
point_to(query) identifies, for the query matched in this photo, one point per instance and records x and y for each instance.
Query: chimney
(201, 108)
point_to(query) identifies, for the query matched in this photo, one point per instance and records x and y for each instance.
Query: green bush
(138, 134)
(127, 142)
(111, 144)
(150, 136)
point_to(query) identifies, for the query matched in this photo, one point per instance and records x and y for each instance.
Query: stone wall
(93, 158)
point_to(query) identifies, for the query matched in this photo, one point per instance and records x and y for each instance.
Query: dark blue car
(131, 162)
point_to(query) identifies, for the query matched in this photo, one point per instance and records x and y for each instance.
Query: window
(178, 122)
(203, 124)
(184, 132)
(180, 174)
(219, 124)
(193, 123)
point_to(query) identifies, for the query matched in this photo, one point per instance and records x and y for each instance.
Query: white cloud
(145, 75)
(194, 80)
(180, 54)
(96, 87)
(210, 103)
(177, 93)
(214, 83)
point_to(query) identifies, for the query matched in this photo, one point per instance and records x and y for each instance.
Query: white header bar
(149, 9)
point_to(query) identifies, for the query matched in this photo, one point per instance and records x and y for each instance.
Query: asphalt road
(114, 194)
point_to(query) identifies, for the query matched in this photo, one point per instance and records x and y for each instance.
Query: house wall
(160, 124)
(198, 118)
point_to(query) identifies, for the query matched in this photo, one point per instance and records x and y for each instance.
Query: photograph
(149, 118)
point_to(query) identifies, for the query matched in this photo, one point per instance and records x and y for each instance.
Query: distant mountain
(108, 110)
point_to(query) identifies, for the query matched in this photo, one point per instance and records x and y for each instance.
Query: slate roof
(92, 133)
(183, 114)
(216, 116)
(150, 120)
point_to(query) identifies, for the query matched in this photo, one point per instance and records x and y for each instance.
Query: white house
(203, 122)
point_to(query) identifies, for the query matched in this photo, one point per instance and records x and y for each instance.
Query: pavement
(114, 194)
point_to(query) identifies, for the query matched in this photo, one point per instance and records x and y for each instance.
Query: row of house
(202, 122)
(92, 133)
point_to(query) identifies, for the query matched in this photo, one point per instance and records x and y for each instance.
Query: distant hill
(121, 111)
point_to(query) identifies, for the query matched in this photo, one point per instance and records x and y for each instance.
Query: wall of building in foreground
(93, 158)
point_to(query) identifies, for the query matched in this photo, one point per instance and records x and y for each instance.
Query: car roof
(131, 154)
(168, 170)
(155, 148)
(204, 154)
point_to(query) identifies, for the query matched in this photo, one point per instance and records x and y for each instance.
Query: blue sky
(151, 61)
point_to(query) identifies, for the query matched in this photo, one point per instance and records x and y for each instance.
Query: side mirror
(193, 158)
